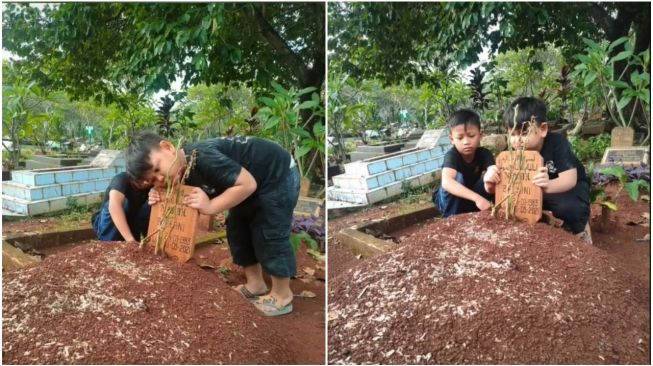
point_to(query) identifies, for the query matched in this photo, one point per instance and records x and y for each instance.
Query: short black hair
(528, 107)
(464, 117)
(138, 154)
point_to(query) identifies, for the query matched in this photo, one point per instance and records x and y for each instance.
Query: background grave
(634, 155)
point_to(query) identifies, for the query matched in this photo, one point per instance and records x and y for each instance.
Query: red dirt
(452, 298)
(32, 225)
(304, 328)
(110, 303)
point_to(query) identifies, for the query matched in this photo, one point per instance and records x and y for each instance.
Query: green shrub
(591, 149)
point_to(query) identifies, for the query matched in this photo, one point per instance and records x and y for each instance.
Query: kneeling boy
(125, 213)
(463, 189)
(563, 179)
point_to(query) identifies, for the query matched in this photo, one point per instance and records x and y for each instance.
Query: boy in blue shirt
(463, 189)
(563, 180)
(125, 213)
(257, 181)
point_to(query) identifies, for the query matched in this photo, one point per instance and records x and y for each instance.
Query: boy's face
(532, 137)
(466, 138)
(164, 165)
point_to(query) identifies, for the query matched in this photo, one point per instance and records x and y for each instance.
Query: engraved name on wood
(526, 196)
(179, 234)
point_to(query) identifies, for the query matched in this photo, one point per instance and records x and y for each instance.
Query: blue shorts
(105, 229)
(258, 229)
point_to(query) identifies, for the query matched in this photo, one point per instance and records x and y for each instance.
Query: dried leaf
(309, 271)
(307, 294)
(206, 266)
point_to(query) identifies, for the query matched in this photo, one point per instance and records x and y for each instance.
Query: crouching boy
(463, 189)
(563, 179)
(125, 213)
(257, 181)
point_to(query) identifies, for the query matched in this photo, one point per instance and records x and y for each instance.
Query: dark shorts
(450, 205)
(258, 229)
(573, 206)
(105, 229)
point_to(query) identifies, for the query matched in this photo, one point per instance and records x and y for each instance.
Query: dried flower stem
(511, 197)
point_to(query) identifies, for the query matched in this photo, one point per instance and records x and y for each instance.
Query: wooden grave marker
(528, 196)
(622, 137)
(632, 155)
(180, 231)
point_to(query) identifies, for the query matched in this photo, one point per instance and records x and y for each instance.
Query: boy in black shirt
(125, 213)
(257, 181)
(462, 188)
(563, 179)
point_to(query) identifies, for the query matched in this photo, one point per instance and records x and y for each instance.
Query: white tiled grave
(372, 180)
(38, 191)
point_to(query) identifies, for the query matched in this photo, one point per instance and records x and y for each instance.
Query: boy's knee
(572, 210)
(567, 208)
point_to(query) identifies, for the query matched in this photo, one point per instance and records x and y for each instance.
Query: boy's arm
(566, 180)
(116, 201)
(450, 184)
(244, 186)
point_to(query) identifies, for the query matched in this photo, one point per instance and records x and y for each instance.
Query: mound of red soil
(474, 289)
(110, 303)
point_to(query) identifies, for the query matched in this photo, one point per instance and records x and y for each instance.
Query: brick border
(358, 242)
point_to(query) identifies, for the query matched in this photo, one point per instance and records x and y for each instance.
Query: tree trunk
(579, 124)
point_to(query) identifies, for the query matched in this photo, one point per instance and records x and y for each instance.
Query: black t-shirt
(472, 171)
(219, 162)
(558, 157)
(135, 197)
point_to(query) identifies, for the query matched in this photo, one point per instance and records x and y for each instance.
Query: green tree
(20, 102)
(391, 40)
(102, 50)
(529, 71)
(221, 108)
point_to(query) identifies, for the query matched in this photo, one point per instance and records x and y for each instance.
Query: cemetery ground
(93, 302)
(476, 289)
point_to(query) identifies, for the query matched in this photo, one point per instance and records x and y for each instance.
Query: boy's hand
(541, 179)
(482, 203)
(198, 199)
(153, 197)
(492, 175)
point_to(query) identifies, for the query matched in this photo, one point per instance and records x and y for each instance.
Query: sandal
(247, 294)
(269, 307)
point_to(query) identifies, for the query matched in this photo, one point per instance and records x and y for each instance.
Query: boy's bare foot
(277, 299)
(272, 306)
(586, 234)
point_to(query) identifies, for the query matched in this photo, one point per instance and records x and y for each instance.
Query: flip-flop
(269, 307)
(247, 294)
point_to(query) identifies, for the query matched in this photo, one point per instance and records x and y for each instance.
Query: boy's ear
(543, 129)
(166, 145)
